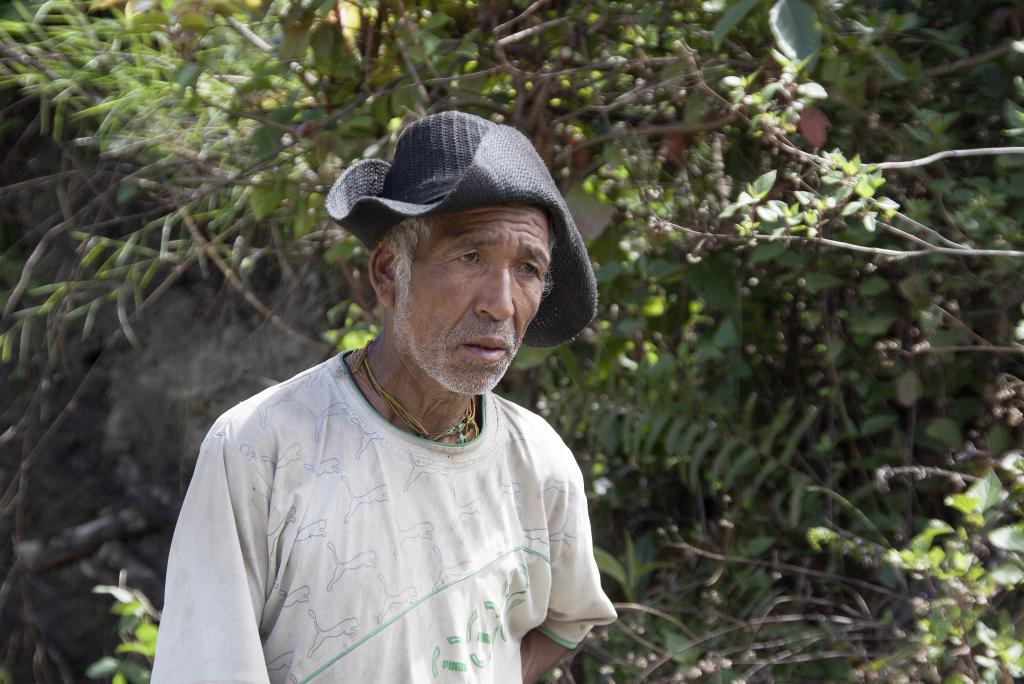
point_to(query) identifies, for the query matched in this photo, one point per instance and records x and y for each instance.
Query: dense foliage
(800, 407)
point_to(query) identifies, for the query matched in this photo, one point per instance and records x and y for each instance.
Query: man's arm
(216, 574)
(539, 654)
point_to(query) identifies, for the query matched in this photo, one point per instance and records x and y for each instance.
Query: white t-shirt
(317, 542)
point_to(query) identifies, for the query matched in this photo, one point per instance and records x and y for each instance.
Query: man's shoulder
(520, 417)
(304, 392)
(532, 429)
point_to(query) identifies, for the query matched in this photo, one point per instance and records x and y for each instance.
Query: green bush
(796, 331)
(137, 630)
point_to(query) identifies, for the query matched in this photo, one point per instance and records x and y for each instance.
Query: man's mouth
(488, 343)
(486, 348)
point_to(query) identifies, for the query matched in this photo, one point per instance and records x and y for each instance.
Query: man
(382, 517)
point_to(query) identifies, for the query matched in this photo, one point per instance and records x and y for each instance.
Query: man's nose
(495, 296)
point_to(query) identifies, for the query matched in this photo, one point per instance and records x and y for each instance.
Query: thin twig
(748, 624)
(904, 234)
(420, 88)
(679, 544)
(640, 608)
(246, 293)
(958, 251)
(931, 231)
(247, 33)
(919, 472)
(10, 497)
(968, 62)
(501, 28)
(649, 130)
(879, 251)
(947, 154)
(991, 349)
(29, 267)
(532, 31)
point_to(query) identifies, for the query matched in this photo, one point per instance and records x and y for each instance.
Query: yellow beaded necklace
(465, 428)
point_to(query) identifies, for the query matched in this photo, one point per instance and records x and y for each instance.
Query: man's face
(476, 284)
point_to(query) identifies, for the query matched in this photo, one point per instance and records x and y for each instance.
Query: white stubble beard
(435, 356)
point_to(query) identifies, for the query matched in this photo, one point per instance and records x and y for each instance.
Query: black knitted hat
(451, 162)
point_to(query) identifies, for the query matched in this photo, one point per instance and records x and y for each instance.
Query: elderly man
(383, 517)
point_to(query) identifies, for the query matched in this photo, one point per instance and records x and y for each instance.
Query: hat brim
(504, 171)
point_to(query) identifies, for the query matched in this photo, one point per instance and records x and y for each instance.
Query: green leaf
(194, 21)
(876, 424)
(712, 279)
(766, 251)
(531, 357)
(764, 183)
(329, 50)
(946, 431)
(1009, 538)
(146, 633)
(436, 21)
(988, 491)
(795, 27)
(294, 44)
(812, 91)
(732, 16)
(935, 528)
(187, 73)
(727, 335)
(873, 286)
(865, 188)
(963, 503)
(998, 439)
(1007, 574)
(149, 21)
(135, 673)
(103, 668)
(609, 565)
(871, 325)
(816, 282)
(681, 648)
(654, 307)
(266, 141)
(135, 647)
(265, 201)
(126, 192)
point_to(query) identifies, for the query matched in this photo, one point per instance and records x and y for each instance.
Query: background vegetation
(800, 407)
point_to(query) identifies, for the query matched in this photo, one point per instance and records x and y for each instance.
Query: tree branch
(968, 62)
(526, 33)
(263, 45)
(501, 28)
(947, 154)
(653, 130)
(36, 555)
(930, 231)
(878, 251)
(246, 293)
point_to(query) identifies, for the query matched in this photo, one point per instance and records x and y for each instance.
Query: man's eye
(530, 269)
(470, 258)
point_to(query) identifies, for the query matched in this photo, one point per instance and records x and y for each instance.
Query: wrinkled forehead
(524, 219)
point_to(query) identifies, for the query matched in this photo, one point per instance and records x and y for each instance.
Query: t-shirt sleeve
(577, 603)
(216, 572)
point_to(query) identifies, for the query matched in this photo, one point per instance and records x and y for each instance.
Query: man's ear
(382, 274)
